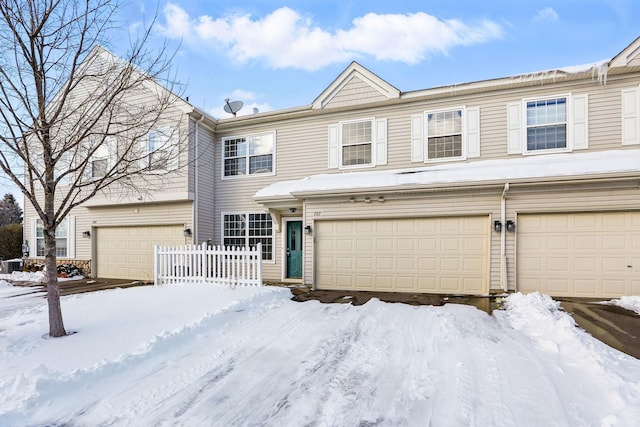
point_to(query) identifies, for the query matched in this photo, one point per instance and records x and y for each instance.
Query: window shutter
(630, 116)
(381, 142)
(71, 237)
(417, 141)
(33, 239)
(333, 147)
(514, 137)
(473, 132)
(580, 115)
(142, 153)
(173, 148)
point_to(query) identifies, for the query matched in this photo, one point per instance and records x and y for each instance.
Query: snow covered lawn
(209, 355)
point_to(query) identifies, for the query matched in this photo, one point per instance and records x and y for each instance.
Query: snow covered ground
(209, 355)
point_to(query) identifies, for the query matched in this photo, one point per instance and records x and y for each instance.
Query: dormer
(629, 57)
(355, 85)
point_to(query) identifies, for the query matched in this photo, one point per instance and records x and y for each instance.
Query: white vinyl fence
(203, 263)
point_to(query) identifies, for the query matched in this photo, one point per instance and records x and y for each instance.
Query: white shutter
(33, 239)
(381, 141)
(173, 148)
(580, 126)
(417, 141)
(514, 137)
(473, 132)
(333, 147)
(630, 116)
(71, 236)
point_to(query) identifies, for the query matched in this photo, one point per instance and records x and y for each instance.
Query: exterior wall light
(511, 226)
(86, 234)
(187, 232)
(308, 229)
(367, 200)
(381, 199)
(292, 210)
(497, 226)
(352, 199)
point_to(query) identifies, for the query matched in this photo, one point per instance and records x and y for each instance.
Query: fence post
(259, 263)
(156, 266)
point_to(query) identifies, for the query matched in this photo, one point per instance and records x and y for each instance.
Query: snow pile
(24, 276)
(211, 355)
(630, 303)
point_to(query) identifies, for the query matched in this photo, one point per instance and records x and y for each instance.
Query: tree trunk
(56, 326)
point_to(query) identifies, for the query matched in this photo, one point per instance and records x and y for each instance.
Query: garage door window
(247, 230)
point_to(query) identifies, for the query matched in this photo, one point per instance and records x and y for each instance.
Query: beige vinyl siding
(206, 168)
(355, 92)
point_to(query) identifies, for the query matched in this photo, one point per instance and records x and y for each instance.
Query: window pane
(158, 160)
(234, 225)
(356, 155)
(260, 164)
(261, 144)
(546, 137)
(235, 167)
(235, 147)
(61, 247)
(356, 132)
(99, 168)
(444, 146)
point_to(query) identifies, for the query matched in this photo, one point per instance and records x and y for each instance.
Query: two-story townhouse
(113, 234)
(527, 183)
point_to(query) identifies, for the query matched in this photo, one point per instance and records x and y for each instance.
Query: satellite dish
(232, 107)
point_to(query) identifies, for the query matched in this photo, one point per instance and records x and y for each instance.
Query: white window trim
(273, 231)
(173, 137)
(372, 142)
(425, 118)
(71, 230)
(569, 121)
(247, 156)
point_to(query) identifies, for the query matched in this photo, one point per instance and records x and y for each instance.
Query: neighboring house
(113, 234)
(527, 183)
(523, 183)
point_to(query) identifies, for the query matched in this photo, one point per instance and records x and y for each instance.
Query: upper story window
(160, 150)
(356, 141)
(444, 134)
(247, 230)
(249, 155)
(550, 124)
(102, 158)
(546, 124)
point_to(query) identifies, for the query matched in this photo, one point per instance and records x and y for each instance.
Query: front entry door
(294, 249)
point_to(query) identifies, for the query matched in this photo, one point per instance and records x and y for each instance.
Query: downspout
(503, 238)
(196, 225)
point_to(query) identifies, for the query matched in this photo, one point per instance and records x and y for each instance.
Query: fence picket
(201, 264)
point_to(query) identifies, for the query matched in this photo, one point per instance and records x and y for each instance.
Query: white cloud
(546, 15)
(284, 38)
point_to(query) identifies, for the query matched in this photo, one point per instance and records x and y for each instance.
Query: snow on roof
(523, 168)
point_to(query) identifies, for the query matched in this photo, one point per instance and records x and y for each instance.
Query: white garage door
(579, 254)
(127, 252)
(429, 255)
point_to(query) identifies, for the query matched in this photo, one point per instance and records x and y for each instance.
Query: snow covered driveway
(196, 355)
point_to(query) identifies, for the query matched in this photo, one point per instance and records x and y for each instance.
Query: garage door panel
(444, 255)
(593, 256)
(127, 252)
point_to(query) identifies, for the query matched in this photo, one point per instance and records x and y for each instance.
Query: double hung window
(356, 142)
(546, 124)
(62, 238)
(249, 155)
(444, 134)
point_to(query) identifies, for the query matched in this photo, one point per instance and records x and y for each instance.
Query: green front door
(294, 249)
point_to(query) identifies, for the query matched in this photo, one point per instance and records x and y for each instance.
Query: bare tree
(80, 119)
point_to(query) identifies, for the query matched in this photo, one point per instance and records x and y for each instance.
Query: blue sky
(273, 54)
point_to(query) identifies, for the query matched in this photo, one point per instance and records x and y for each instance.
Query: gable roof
(629, 56)
(355, 78)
